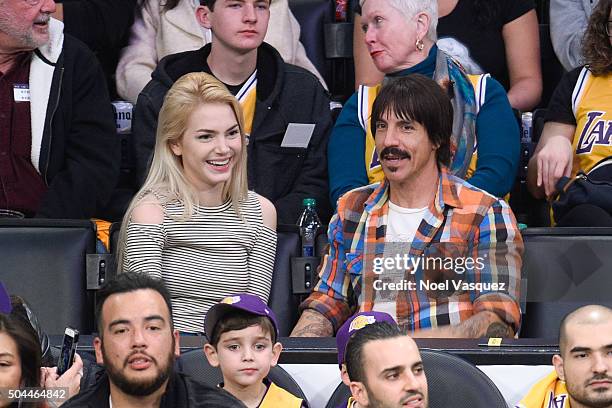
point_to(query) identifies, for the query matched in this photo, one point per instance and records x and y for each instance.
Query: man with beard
(583, 369)
(137, 345)
(385, 369)
(418, 216)
(59, 152)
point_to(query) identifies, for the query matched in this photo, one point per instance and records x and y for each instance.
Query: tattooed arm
(312, 324)
(482, 324)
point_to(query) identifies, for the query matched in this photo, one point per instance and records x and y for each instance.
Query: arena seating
(328, 44)
(565, 268)
(45, 262)
(282, 301)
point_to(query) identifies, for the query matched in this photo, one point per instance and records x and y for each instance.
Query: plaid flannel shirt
(461, 214)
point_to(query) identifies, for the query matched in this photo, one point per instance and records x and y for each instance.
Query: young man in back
(286, 110)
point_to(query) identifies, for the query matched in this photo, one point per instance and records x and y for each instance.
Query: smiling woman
(193, 223)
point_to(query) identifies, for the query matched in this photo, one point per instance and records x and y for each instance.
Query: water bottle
(309, 223)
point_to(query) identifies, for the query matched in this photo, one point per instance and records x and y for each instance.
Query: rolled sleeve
(500, 246)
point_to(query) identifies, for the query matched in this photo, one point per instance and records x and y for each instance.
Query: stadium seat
(44, 261)
(312, 16)
(565, 268)
(528, 210)
(329, 45)
(282, 301)
(195, 364)
(452, 382)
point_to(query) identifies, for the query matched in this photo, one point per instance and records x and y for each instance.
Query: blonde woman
(194, 223)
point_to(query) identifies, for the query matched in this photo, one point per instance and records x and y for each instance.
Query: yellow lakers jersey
(365, 99)
(592, 107)
(247, 96)
(279, 397)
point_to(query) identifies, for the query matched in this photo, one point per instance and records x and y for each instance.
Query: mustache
(394, 152)
(409, 395)
(44, 18)
(599, 378)
(142, 353)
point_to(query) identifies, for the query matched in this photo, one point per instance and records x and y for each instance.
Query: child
(242, 340)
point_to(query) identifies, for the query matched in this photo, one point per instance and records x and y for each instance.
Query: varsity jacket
(181, 391)
(74, 143)
(285, 94)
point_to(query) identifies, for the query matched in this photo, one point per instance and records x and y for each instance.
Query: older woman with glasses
(400, 36)
(576, 136)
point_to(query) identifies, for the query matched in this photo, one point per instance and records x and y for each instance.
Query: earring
(420, 45)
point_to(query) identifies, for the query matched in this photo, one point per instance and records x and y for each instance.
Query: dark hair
(596, 46)
(17, 327)
(418, 98)
(130, 282)
(354, 348)
(238, 320)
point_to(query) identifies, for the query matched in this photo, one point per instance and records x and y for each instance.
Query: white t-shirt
(402, 224)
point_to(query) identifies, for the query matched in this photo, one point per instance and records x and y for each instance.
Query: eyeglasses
(609, 28)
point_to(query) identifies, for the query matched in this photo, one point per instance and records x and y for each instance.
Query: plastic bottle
(309, 223)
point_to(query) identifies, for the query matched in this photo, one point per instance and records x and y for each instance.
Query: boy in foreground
(242, 340)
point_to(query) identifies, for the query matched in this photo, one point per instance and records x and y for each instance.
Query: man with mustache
(583, 369)
(137, 345)
(423, 213)
(385, 369)
(59, 152)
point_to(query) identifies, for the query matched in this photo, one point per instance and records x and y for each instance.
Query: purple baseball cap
(5, 300)
(355, 323)
(241, 301)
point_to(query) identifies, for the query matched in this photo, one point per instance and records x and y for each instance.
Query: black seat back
(565, 268)
(282, 301)
(44, 261)
(312, 16)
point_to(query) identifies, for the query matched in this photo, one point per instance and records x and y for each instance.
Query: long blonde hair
(166, 180)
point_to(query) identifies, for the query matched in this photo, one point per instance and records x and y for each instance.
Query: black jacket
(80, 151)
(182, 391)
(285, 94)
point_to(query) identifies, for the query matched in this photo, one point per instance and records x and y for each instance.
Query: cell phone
(69, 345)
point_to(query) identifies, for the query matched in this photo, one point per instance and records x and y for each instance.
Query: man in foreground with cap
(382, 365)
(350, 327)
(242, 337)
